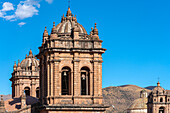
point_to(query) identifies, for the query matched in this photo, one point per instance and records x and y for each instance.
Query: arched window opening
(27, 91)
(85, 81)
(161, 110)
(66, 81)
(161, 99)
(37, 92)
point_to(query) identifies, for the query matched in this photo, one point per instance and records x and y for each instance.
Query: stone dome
(140, 103)
(29, 61)
(158, 89)
(68, 23)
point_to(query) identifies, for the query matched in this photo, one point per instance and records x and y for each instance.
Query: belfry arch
(27, 91)
(66, 81)
(85, 81)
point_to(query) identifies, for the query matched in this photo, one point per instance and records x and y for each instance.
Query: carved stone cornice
(54, 60)
(76, 60)
(99, 61)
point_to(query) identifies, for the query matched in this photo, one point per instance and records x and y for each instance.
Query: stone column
(18, 89)
(51, 78)
(15, 89)
(76, 75)
(96, 78)
(33, 88)
(72, 82)
(100, 78)
(56, 78)
(91, 84)
(48, 82)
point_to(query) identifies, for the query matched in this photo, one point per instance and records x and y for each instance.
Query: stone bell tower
(25, 77)
(71, 68)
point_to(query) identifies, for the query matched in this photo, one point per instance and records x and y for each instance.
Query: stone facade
(159, 100)
(25, 77)
(71, 68)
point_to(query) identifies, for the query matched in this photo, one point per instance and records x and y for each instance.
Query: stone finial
(62, 18)
(26, 56)
(158, 84)
(95, 30)
(69, 13)
(30, 53)
(74, 18)
(19, 64)
(53, 24)
(45, 34)
(91, 33)
(53, 29)
(15, 65)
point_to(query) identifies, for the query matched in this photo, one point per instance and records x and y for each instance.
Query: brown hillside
(121, 97)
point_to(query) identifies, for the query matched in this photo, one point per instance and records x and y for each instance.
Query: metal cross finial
(158, 79)
(68, 3)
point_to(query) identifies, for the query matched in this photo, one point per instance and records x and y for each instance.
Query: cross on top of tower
(69, 3)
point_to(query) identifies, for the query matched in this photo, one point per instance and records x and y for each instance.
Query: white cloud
(10, 17)
(7, 6)
(49, 1)
(1, 14)
(21, 24)
(25, 9)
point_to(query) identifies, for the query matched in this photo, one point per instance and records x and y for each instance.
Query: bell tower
(158, 100)
(71, 68)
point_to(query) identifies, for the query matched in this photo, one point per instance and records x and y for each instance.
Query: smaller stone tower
(26, 77)
(2, 106)
(159, 100)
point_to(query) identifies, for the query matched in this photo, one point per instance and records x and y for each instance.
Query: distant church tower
(159, 100)
(25, 77)
(71, 68)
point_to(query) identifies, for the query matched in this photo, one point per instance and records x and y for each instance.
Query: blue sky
(136, 34)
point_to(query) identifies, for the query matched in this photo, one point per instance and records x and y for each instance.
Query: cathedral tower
(71, 68)
(25, 77)
(159, 100)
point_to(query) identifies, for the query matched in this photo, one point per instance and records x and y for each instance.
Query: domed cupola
(29, 62)
(159, 90)
(68, 23)
(26, 75)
